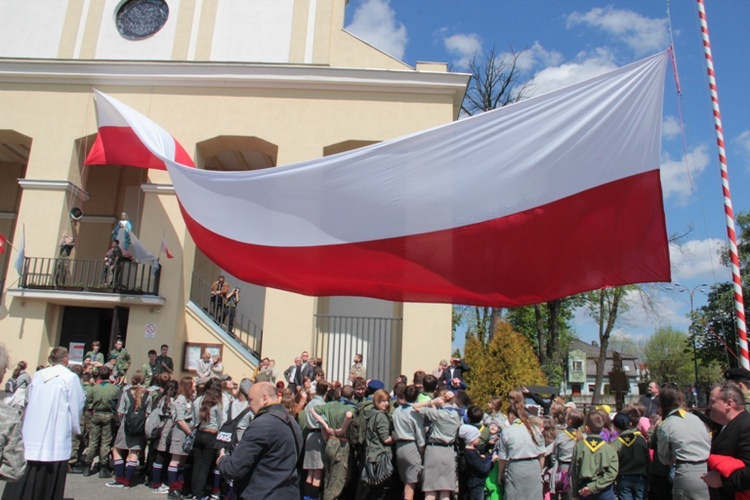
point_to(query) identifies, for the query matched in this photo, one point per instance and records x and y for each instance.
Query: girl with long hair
(163, 404)
(182, 425)
(520, 453)
(562, 455)
(134, 401)
(208, 415)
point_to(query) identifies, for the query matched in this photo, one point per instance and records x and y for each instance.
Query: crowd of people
(298, 435)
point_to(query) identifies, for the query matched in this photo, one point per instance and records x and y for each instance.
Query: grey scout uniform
(523, 478)
(439, 457)
(408, 429)
(684, 441)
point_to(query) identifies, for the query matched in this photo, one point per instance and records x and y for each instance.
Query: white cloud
(642, 34)
(463, 47)
(675, 179)
(537, 55)
(649, 311)
(583, 67)
(670, 127)
(375, 22)
(696, 260)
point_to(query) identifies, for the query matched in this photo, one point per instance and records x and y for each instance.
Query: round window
(139, 19)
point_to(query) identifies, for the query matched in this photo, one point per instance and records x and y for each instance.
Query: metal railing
(123, 277)
(339, 338)
(225, 316)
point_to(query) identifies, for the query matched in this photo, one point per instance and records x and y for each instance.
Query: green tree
(548, 328)
(715, 323)
(669, 356)
(506, 362)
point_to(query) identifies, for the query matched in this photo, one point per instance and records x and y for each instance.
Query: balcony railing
(229, 319)
(124, 277)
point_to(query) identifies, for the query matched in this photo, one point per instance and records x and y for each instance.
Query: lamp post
(691, 292)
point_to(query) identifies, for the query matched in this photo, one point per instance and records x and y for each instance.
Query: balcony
(64, 280)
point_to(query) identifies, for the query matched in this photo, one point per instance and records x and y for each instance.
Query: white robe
(53, 413)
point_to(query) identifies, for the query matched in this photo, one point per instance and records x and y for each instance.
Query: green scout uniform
(122, 361)
(167, 361)
(95, 357)
(80, 441)
(595, 465)
(149, 372)
(336, 458)
(101, 401)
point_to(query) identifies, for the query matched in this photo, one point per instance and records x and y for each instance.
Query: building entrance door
(87, 324)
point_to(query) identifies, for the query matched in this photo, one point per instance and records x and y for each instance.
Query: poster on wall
(75, 352)
(150, 331)
(193, 353)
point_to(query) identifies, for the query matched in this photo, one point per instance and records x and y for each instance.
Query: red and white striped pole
(739, 303)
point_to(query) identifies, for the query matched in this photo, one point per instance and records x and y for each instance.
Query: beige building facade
(241, 84)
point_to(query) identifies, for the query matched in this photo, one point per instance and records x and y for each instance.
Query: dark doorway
(87, 324)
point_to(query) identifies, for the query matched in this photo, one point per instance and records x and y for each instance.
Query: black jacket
(264, 463)
(458, 372)
(733, 441)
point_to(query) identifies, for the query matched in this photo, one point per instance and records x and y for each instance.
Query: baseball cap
(375, 384)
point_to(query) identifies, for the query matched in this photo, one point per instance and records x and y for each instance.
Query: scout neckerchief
(679, 412)
(594, 443)
(628, 438)
(571, 432)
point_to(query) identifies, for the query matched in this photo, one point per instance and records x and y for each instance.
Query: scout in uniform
(334, 418)
(683, 440)
(633, 457)
(439, 462)
(595, 464)
(101, 402)
(408, 430)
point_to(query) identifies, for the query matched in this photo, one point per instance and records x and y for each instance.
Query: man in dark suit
(453, 376)
(727, 407)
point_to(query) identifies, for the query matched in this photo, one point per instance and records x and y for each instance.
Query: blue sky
(566, 42)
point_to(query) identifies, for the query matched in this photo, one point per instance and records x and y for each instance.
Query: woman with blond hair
(520, 454)
(134, 402)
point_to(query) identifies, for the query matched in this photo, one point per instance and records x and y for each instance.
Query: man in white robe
(53, 414)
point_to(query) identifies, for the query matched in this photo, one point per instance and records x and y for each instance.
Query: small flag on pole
(21, 251)
(165, 249)
(3, 239)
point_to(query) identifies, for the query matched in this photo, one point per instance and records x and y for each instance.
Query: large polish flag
(538, 200)
(118, 143)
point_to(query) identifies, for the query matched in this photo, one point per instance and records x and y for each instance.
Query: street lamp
(691, 292)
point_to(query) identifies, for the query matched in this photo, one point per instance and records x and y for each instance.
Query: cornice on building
(54, 185)
(238, 75)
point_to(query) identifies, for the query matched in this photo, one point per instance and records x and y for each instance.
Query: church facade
(242, 85)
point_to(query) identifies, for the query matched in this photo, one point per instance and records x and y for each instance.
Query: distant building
(581, 373)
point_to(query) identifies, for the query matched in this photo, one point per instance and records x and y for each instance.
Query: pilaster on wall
(288, 326)
(425, 338)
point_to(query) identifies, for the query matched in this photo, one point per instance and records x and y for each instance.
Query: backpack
(156, 421)
(227, 436)
(11, 385)
(356, 433)
(135, 421)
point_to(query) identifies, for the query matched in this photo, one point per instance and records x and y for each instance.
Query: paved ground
(89, 488)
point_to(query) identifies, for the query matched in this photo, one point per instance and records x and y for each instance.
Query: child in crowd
(633, 457)
(562, 455)
(477, 466)
(595, 464)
